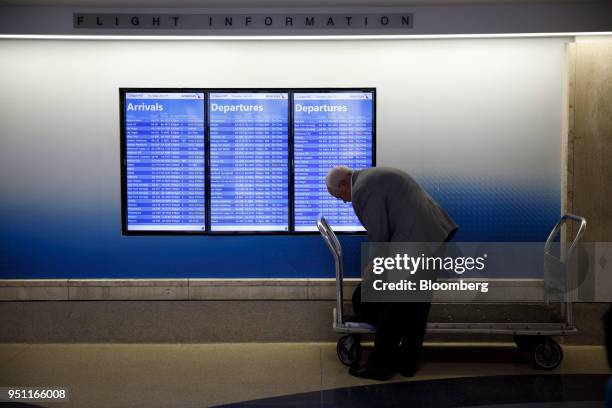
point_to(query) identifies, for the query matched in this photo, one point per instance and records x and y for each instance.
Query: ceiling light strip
(290, 37)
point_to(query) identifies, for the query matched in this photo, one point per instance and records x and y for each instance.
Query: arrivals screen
(329, 129)
(164, 161)
(249, 161)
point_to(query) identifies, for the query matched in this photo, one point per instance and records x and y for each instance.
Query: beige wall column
(588, 166)
(590, 136)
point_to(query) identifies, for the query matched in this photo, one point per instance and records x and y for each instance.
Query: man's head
(338, 182)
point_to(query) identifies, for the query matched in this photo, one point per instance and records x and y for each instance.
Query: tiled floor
(199, 375)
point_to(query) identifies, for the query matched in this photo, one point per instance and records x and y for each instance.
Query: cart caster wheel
(349, 350)
(547, 355)
(526, 343)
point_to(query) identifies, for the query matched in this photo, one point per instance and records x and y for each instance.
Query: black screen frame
(207, 205)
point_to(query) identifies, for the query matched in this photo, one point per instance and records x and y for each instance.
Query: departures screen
(249, 161)
(329, 129)
(164, 161)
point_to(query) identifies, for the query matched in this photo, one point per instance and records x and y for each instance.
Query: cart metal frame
(533, 337)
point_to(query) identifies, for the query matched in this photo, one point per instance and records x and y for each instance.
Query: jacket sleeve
(372, 211)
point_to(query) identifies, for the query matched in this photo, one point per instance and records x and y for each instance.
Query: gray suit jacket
(393, 207)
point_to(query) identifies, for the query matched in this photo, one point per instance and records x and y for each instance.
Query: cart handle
(329, 236)
(563, 220)
(336, 249)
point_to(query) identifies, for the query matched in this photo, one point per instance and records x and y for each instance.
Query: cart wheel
(349, 350)
(547, 355)
(527, 343)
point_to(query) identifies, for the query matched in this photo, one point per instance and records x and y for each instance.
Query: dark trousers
(400, 329)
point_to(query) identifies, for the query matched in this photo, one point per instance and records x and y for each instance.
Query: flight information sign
(249, 161)
(329, 129)
(164, 161)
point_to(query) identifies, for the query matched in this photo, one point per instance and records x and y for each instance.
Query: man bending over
(392, 207)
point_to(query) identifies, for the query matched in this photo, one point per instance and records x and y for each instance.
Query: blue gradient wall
(478, 122)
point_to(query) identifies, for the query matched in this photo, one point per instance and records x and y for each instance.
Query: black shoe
(408, 371)
(370, 373)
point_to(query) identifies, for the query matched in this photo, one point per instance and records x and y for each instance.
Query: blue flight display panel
(330, 129)
(249, 162)
(165, 170)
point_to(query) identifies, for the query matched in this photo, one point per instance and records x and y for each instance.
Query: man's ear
(344, 184)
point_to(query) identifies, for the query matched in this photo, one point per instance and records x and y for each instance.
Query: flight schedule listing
(330, 129)
(249, 167)
(164, 145)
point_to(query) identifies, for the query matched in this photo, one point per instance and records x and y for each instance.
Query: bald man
(392, 207)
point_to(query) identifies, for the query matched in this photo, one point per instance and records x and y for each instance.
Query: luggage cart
(536, 338)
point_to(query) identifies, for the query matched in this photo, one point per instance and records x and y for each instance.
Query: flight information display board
(249, 161)
(329, 129)
(164, 161)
